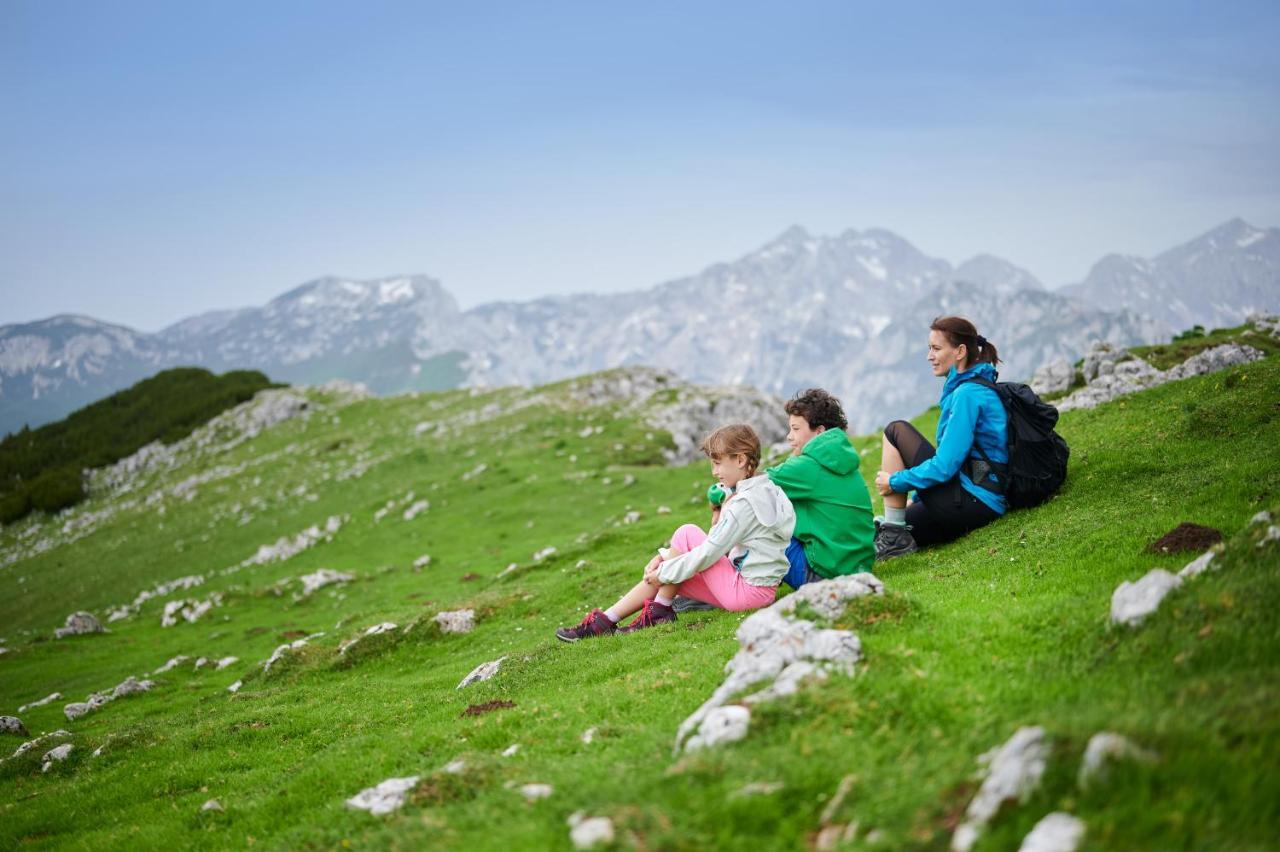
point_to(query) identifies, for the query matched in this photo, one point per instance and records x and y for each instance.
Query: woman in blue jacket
(957, 485)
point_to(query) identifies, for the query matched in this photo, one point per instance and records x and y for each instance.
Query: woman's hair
(733, 439)
(818, 408)
(959, 330)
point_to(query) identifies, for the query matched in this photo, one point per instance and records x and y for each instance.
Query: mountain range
(846, 312)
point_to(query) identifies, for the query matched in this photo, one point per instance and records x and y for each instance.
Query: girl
(957, 486)
(755, 523)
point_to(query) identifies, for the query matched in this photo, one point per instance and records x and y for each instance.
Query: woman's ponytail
(959, 330)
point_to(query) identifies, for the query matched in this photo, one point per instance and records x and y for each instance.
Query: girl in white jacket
(737, 566)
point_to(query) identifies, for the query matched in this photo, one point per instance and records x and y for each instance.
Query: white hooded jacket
(760, 519)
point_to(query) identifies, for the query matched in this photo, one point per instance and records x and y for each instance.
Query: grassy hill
(1003, 629)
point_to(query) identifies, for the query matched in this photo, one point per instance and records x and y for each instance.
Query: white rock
(1273, 534)
(79, 624)
(457, 621)
(1054, 377)
(385, 797)
(375, 630)
(172, 663)
(588, 736)
(235, 687)
(75, 710)
(48, 699)
(416, 509)
(12, 725)
(212, 805)
(586, 832)
(758, 788)
(1103, 748)
(1263, 517)
(40, 740)
(511, 750)
(314, 582)
(631, 517)
(534, 792)
(454, 767)
(484, 671)
(1013, 772)
(664, 510)
(1197, 566)
(544, 553)
(1057, 832)
(131, 686)
(722, 725)
(422, 561)
(1131, 603)
(56, 755)
(226, 661)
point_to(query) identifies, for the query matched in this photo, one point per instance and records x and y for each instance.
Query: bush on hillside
(56, 489)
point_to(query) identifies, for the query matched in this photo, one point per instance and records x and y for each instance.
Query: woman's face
(943, 356)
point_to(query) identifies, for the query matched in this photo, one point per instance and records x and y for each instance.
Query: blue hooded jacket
(971, 414)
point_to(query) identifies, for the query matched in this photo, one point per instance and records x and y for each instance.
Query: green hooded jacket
(833, 507)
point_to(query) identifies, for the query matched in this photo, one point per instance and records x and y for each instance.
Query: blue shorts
(799, 573)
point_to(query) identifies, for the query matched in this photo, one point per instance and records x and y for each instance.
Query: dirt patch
(467, 578)
(289, 635)
(488, 707)
(1186, 537)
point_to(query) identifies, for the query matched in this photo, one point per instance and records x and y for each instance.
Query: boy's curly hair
(818, 408)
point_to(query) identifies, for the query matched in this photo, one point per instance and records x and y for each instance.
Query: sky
(162, 159)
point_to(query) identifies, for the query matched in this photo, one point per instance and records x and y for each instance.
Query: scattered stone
(416, 509)
(781, 650)
(542, 554)
(131, 686)
(13, 725)
(511, 750)
(235, 687)
(1054, 377)
(421, 562)
(56, 755)
(1131, 603)
(722, 725)
(1197, 566)
(586, 832)
(580, 564)
(212, 805)
(664, 510)
(224, 662)
(79, 624)
(759, 788)
(286, 648)
(312, 583)
(1013, 772)
(39, 741)
(469, 577)
(588, 736)
(1057, 832)
(286, 548)
(1263, 517)
(1272, 534)
(631, 517)
(191, 610)
(534, 792)
(1185, 536)
(454, 767)
(484, 671)
(159, 591)
(375, 630)
(488, 707)
(173, 663)
(1112, 373)
(1103, 748)
(385, 797)
(48, 699)
(457, 621)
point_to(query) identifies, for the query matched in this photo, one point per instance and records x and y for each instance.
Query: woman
(957, 485)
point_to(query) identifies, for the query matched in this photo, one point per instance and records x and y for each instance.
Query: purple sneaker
(595, 624)
(651, 615)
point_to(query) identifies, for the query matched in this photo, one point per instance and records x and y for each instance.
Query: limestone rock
(172, 663)
(48, 699)
(385, 797)
(131, 686)
(235, 687)
(39, 741)
(457, 621)
(79, 624)
(12, 725)
(828, 598)
(1263, 517)
(589, 735)
(1197, 566)
(1103, 748)
(1215, 359)
(375, 630)
(484, 671)
(1013, 773)
(586, 832)
(722, 725)
(534, 792)
(416, 509)
(511, 750)
(1114, 373)
(57, 754)
(1054, 377)
(314, 582)
(212, 805)
(281, 650)
(1131, 603)
(1057, 832)
(224, 662)
(421, 562)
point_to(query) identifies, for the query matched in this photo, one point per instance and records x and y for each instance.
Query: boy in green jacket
(835, 533)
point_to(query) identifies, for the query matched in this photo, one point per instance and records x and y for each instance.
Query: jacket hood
(954, 379)
(832, 450)
(772, 507)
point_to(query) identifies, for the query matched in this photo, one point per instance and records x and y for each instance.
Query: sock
(612, 616)
(896, 517)
(663, 600)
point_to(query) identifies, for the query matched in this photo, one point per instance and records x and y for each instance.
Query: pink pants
(720, 585)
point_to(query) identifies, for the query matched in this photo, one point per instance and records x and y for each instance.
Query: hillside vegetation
(971, 641)
(41, 469)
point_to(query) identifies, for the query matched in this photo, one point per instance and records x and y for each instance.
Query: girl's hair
(733, 439)
(959, 330)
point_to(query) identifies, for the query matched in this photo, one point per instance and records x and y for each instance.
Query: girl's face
(729, 470)
(943, 356)
(799, 433)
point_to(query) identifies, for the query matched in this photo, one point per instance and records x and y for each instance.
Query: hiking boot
(893, 540)
(683, 604)
(651, 615)
(595, 624)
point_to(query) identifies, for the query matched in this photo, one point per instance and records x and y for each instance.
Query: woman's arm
(953, 449)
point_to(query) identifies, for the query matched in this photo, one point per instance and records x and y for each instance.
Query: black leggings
(941, 513)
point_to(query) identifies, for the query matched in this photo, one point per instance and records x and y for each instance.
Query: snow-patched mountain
(1215, 280)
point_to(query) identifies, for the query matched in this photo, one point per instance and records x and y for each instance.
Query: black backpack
(1038, 455)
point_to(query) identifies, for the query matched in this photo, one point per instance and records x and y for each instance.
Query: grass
(1005, 628)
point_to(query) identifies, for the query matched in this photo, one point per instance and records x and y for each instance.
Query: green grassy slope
(1003, 629)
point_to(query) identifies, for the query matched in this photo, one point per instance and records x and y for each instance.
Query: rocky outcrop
(79, 624)
(1111, 372)
(385, 797)
(1013, 773)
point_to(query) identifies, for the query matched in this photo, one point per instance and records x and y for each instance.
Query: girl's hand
(651, 571)
(882, 484)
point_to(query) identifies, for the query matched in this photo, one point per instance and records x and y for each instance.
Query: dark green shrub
(56, 489)
(14, 506)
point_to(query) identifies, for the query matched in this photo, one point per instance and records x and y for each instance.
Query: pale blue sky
(159, 159)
